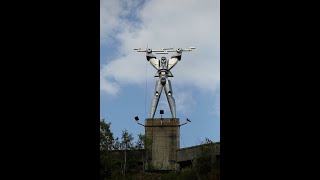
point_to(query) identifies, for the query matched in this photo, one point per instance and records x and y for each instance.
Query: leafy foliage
(140, 143)
(126, 142)
(118, 161)
(106, 144)
(207, 164)
(106, 136)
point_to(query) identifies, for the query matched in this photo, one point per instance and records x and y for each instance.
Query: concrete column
(164, 137)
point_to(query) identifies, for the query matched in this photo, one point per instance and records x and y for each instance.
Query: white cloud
(185, 103)
(215, 108)
(164, 23)
(110, 12)
(107, 85)
(113, 14)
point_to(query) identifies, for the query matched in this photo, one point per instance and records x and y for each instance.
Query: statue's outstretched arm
(174, 60)
(153, 60)
(177, 55)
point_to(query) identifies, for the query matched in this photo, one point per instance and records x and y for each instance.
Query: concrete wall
(184, 156)
(191, 153)
(164, 134)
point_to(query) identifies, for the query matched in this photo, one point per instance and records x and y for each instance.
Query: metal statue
(163, 68)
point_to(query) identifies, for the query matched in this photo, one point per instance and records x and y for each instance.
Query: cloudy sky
(127, 79)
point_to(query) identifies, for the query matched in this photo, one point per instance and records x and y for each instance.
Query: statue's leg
(172, 104)
(156, 97)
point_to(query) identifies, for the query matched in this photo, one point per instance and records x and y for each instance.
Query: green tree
(126, 144)
(116, 144)
(207, 165)
(141, 141)
(106, 144)
(143, 144)
(126, 140)
(106, 136)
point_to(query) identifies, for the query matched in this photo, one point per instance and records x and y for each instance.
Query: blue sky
(126, 77)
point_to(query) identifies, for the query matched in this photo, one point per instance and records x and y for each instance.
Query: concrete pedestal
(164, 137)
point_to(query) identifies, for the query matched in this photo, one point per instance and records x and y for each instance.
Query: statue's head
(163, 60)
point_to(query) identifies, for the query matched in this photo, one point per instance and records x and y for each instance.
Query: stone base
(163, 135)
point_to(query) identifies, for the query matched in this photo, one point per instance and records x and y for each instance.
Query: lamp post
(161, 112)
